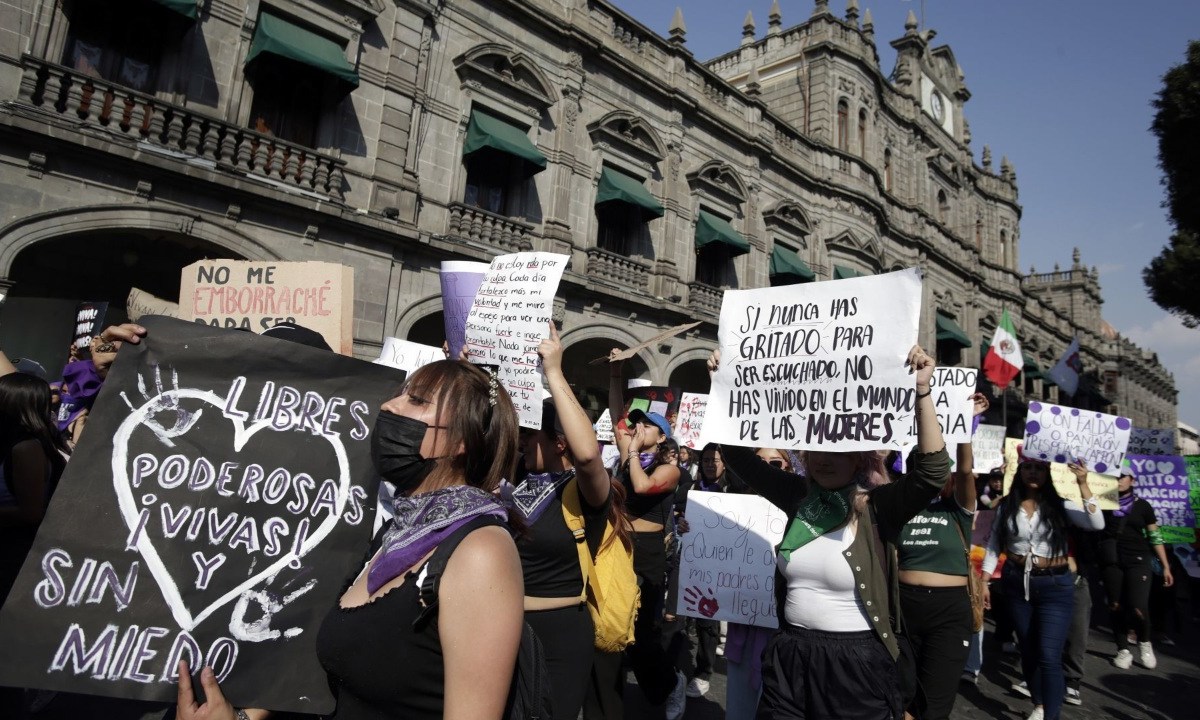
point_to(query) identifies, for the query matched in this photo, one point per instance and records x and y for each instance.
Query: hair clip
(493, 384)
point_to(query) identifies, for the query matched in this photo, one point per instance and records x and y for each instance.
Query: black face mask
(396, 451)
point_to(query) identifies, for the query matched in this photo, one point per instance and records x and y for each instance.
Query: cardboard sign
(257, 295)
(1104, 487)
(1146, 441)
(509, 318)
(460, 281)
(652, 399)
(89, 321)
(604, 427)
(987, 446)
(213, 511)
(818, 366)
(952, 388)
(141, 303)
(727, 558)
(1054, 433)
(407, 355)
(1162, 481)
(689, 424)
(631, 351)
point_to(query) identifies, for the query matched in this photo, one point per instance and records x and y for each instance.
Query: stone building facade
(390, 135)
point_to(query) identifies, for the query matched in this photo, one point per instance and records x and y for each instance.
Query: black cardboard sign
(222, 494)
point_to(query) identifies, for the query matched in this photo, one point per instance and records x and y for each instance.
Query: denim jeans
(1042, 623)
(975, 653)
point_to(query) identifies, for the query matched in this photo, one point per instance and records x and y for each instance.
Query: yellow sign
(1103, 486)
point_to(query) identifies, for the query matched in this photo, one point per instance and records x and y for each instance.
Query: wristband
(1155, 537)
(927, 393)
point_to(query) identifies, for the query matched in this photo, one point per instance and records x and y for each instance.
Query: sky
(1064, 90)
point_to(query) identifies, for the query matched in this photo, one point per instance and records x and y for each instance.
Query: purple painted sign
(460, 282)
(1054, 433)
(1162, 481)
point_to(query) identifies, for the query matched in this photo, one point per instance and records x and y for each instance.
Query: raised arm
(1087, 516)
(781, 488)
(665, 477)
(964, 485)
(616, 401)
(581, 437)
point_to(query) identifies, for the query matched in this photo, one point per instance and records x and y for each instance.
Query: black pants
(937, 621)
(830, 676)
(567, 636)
(708, 636)
(651, 665)
(1127, 585)
(1076, 649)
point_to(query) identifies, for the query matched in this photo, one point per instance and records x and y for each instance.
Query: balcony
(139, 119)
(705, 300)
(480, 227)
(618, 270)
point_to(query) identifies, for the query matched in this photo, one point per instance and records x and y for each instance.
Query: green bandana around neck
(821, 511)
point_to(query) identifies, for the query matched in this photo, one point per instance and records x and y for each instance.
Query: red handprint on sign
(703, 603)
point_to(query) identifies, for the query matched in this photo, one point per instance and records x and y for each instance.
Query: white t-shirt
(820, 586)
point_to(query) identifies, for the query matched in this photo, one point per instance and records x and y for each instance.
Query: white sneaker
(721, 649)
(698, 687)
(1022, 688)
(1072, 697)
(1123, 660)
(677, 700)
(1147, 659)
(1037, 714)
(969, 677)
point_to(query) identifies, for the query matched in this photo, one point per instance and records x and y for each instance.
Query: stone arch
(619, 336)
(498, 64)
(28, 231)
(721, 180)
(416, 312)
(631, 133)
(681, 360)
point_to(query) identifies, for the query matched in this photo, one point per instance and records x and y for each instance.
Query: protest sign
(1104, 487)
(689, 424)
(987, 445)
(652, 399)
(407, 355)
(817, 366)
(509, 318)
(212, 512)
(257, 295)
(460, 281)
(1162, 481)
(727, 558)
(604, 427)
(141, 303)
(631, 351)
(89, 321)
(1147, 441)
(952, 388)
(1054, 433)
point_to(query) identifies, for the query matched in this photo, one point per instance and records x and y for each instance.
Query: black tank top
(653, 507)
(549, 560)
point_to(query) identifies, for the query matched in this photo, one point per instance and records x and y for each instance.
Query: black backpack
(529, 694)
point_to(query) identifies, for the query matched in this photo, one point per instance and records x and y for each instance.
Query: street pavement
(1169, 692)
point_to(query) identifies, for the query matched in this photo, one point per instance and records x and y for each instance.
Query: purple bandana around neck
(533, 495)
(1124, 504)
(647, 459)
(421, 522)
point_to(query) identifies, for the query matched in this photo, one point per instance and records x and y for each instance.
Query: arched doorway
(590, 382)
(429, 330)
(691, 376)
(51, 276)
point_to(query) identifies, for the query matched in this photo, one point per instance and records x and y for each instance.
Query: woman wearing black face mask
(445, 442)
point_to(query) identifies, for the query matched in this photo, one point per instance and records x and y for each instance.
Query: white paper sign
(952, 388)
(1061, 434)
(727, 558)
(407, 355)
(689, 424)
(604, 427)
(509, 319)
(988, 447)
(817, 366)
(1148, 441)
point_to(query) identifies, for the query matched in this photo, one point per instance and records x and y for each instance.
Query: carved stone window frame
(848, 245)
(627, 143)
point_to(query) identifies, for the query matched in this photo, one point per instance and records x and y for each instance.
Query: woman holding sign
(649, 480)
(392, 648)
(1031, 527)
(835, 653)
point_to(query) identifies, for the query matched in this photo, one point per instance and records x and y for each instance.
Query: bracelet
(927, 393)
(241, 715)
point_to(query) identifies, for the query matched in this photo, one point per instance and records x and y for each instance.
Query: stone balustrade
(617, 269)
(481, 227)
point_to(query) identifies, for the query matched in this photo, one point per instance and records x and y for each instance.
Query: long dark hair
(25, 413)
(1049, 505)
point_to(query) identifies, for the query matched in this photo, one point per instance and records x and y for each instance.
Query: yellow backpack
(611, 588)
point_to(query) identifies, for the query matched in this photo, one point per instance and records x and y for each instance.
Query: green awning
(616, 186)
(1033, 371)
(275, 36)
(841, 272)
(787, 262)
(710, 229)
(487, 131)
(948, 329)
(186, 8)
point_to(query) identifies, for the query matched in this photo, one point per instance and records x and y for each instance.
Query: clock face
(936, 108)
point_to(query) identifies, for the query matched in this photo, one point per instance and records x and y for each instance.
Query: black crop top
(549, 560)
(653, 507)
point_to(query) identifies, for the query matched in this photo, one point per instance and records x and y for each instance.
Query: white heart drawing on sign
(1165, 467)
(149, 553)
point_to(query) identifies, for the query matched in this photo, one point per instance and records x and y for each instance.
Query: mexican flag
(1003, 360)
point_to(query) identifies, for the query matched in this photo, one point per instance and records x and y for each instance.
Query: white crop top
(820, 586)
